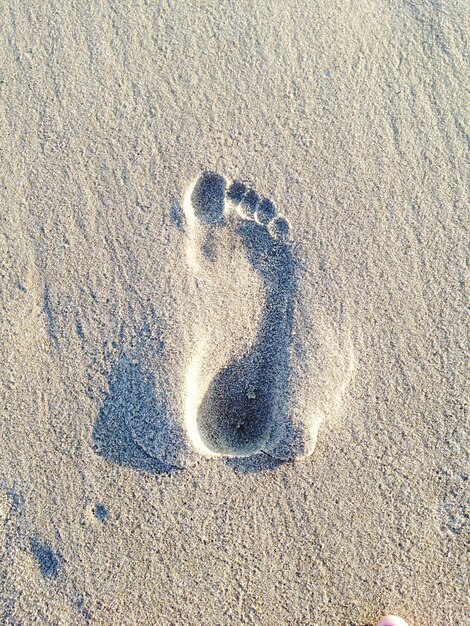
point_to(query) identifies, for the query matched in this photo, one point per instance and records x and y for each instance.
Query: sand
(129, 322)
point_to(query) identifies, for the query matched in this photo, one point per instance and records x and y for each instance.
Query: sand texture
(233, 329)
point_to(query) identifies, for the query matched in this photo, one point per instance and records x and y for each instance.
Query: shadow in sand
(46, 559)
(131, 396)
(244, 403)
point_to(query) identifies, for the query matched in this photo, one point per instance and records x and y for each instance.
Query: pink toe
(392, 620)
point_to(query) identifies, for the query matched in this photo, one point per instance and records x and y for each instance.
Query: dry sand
(126, 319)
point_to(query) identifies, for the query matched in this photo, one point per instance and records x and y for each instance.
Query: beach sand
(142, 304)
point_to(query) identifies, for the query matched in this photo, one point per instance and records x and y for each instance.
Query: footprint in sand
(264, 369)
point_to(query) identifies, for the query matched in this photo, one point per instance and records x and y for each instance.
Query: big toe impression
(207, 198)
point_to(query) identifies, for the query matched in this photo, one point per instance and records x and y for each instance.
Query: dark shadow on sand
(46, 559)
(131, 394)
